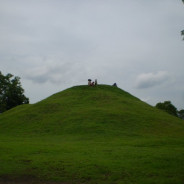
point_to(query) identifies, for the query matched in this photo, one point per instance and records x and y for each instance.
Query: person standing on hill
(89, 82)
(96, 82)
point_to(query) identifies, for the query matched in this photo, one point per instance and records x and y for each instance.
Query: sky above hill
(53, 45)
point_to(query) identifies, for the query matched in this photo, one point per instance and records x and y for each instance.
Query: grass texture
(91, 135)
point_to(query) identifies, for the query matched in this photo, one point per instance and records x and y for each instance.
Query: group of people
(94, 83)
(91, 83)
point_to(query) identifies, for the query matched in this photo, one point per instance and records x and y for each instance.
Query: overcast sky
(56, 44)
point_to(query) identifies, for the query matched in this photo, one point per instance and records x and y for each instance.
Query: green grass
(93, 135)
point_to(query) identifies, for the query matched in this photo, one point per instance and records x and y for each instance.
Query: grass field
(100, 135)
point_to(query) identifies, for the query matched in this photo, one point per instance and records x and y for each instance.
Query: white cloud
(148, 80)
(56, 73)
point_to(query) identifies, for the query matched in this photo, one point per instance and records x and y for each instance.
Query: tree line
(168, 107)
(11, 92)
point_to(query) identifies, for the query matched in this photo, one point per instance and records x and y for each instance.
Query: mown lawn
(103, 160)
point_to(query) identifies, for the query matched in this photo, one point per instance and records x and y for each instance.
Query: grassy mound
(85, 134)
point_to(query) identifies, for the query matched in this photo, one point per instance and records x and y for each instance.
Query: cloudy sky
(56, 44)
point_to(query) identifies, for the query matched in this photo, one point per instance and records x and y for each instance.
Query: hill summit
(100, 110)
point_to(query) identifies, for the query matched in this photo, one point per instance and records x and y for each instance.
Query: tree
(182, 32)
(11, 92)
(181, 114)
(168, 107)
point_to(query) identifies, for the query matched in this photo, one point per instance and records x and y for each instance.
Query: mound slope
(101, 110)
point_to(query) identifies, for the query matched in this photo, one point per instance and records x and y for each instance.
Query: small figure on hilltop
(115, 85)
(96, 82)
(89, 82)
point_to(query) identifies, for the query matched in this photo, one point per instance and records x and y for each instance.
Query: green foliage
(11, 92)
(182, 33)
(168, 107)
(181, 114)
(91, 135)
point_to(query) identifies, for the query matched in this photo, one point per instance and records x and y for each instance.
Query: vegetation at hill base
(168, 107)
(181, 114)
(11, 92)
(91, 135)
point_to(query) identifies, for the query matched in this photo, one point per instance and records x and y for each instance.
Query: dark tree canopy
(11, 92)
(182, 33)
(168, 107)
(181, 114)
